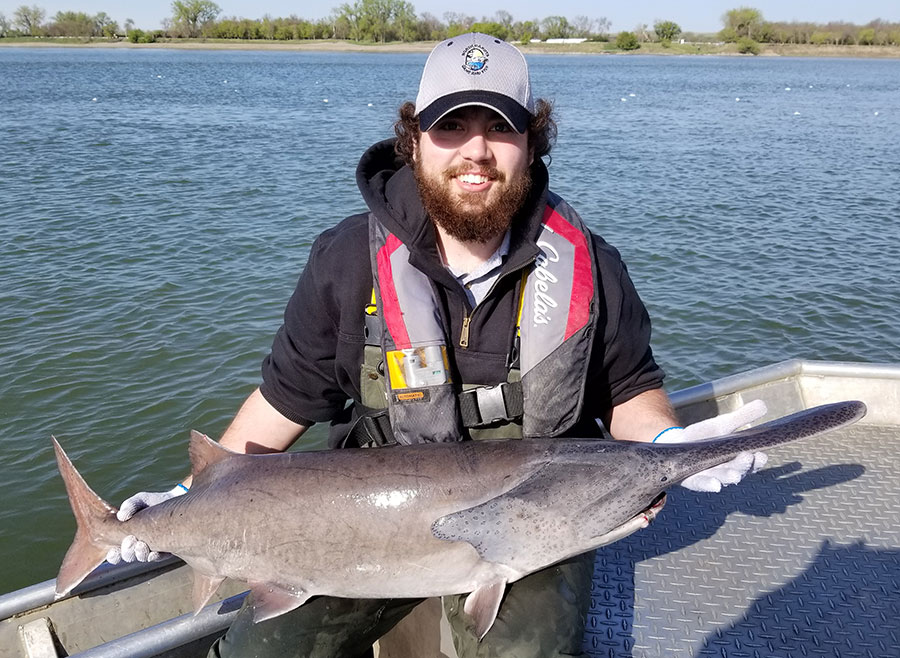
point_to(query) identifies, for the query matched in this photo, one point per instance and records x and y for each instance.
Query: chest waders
(406, 369)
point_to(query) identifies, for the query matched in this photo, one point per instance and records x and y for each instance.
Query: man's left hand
(731, 472)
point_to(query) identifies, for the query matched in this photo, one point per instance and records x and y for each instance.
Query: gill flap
(421, 402)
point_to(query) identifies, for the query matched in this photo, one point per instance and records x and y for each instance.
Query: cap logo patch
(476, 59)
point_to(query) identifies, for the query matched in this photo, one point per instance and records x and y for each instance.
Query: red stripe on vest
(582, 278)
(393, 315)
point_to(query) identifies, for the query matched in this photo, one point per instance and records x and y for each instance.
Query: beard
(473, 216)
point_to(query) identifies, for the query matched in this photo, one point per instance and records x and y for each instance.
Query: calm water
(156, 208)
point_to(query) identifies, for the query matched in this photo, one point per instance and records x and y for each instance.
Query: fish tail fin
(91, 513)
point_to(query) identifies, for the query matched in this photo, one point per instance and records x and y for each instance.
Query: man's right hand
(133, 548)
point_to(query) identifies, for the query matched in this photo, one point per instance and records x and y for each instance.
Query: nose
(476, 147)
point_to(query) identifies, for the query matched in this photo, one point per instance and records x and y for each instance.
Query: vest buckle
(484, 405)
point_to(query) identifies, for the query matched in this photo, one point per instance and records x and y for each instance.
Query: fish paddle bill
(92, 513)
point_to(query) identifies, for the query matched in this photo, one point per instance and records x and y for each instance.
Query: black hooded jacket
(314, 366)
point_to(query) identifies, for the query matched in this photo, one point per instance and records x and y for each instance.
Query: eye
(449, 125)
(501, 127)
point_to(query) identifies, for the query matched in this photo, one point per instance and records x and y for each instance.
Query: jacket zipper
(467, 317)
(464, 336)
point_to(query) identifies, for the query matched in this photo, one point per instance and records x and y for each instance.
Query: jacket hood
(389, 189)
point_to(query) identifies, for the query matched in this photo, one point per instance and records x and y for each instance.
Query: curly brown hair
(541, 130)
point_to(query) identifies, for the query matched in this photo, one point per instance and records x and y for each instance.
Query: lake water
(156, 208)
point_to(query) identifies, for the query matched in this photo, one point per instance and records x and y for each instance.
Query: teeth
(473, 179)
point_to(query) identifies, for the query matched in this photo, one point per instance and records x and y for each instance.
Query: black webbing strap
(479, 406)
(371, 430)
(485, 405)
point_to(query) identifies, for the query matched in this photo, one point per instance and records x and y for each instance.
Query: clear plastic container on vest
(424, 366)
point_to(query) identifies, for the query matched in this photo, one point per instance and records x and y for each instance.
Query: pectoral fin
(204, 587)
(482, 606)
(270, 600)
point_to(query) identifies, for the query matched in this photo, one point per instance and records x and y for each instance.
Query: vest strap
(479, 406)
(484, 405)
(371, 430)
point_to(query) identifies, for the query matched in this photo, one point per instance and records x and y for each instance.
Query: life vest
(556, 323)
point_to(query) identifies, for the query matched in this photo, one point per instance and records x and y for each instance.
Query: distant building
(579, 40)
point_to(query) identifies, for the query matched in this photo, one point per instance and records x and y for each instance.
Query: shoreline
(586, 48)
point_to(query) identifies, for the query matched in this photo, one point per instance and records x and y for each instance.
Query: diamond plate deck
(801, 559)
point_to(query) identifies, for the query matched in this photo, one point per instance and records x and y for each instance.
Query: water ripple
(149, 240)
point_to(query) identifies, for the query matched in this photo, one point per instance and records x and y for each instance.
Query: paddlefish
(406, 521)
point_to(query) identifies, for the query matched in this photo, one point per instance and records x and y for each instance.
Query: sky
(691, 15)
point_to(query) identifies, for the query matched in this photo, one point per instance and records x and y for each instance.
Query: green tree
(191, 15)
(527, 31)
(582, 27)
(350, 15)
(766, 33)
(430, 28)
(139, 36)
(866, 36)
(747, 46)
(505, 19)
(405, 21)
(728, 35)
(378, 20)
(666, 30)
(627, 41)
(379, 14)
(267, 27)
(556, 27)
(457, 23)
(71, 24)
(642, 33)
(745, 21)
(29, 19)
(4, 25)
(104, 26)
(493, 28)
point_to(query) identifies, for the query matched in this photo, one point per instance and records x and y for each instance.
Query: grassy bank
(608, 48)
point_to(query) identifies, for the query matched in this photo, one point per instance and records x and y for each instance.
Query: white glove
(133, 548)
(731, 472)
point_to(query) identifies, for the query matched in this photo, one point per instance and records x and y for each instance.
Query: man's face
(473, 173)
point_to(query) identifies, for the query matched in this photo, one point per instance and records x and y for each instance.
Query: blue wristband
(674, 427)
(186, 489)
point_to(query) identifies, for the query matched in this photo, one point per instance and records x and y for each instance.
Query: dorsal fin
(205, 452)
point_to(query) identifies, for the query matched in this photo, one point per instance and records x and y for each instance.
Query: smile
(473, 179)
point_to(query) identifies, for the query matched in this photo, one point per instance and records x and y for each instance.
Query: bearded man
(468, 302)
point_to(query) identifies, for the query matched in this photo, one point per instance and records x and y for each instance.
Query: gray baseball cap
(475, 69)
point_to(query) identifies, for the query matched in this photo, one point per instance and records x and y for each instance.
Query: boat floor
(800, 559)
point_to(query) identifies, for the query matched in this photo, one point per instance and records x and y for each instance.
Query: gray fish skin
(411, 521)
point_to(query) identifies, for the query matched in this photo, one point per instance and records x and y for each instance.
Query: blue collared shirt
(478, 282)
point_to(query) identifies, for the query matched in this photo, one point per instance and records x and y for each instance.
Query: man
(469, 302)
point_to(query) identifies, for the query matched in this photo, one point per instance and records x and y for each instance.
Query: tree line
(748, 23)
(377, 21)
(381, 21)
